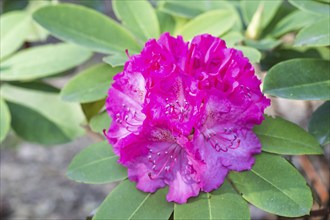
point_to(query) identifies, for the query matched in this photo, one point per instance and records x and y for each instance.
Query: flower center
(222, 141)
(131, 120)
(177, 109)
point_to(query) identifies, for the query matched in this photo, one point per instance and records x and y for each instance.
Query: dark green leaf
(264, 44)
(139, 17)
(43, 61)
(274, 186)
(14, 30)
(215, 22)
(304, 79)
(319, 125)
(89, 85)
(41, 116)
(127, 202)
(91, 109)
(13, 5)
(311, 6)
(166, 22)
(283, 137)
(218, 204)
(36, 85)
(100, 122)
(5, 119)
(85, 27)
(34, 127)
(96, 164)
(316, 34)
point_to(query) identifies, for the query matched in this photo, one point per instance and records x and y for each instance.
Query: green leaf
(283, 137)
(218, 204)
(96, 164)
(14, 29)
(127, 202)
(86, 27)
(316, 34)
(41, 116)
(100, 122)
(232, 38)
(43, 61)
(116, 60)
(215, 22)
(139, 17)
(270, 8)
(89, 85)
(264, 44)
(304, 79)
(166, 22)
(294, 21)
(311, 6)
(274, 186)
(5, 119)
(252, 54)
(319, 123)
(91, 109)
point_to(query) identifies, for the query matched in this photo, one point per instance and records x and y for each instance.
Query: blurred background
(33, 182)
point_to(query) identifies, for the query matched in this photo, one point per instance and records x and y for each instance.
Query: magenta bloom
(183, 115)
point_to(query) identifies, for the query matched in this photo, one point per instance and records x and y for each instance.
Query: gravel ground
(34, 185)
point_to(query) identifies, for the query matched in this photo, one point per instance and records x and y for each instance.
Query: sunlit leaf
(5, 119)
(312, 6)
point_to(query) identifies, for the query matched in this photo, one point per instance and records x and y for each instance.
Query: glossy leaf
(85, 27)
(252, 54)
(5, 119)
(41, 116)
(100, 122)
(13, 32)
(283, 137)
(127, 202)
(139, 17)
(43, 61)
(218, 204)
(89, 85)
(269, 10)
(316, 34)
(116, 60)
(311, 6)
(215, 22)
(274, 186)
(304, 79)
(96, 164)
(319, 123)
(294, 21)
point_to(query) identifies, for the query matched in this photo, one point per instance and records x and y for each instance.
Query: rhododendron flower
(183, 115)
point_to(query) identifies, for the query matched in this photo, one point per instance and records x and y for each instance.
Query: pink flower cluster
(183, 115)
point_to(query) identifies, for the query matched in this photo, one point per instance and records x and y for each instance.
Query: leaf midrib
(94, 162)
(282, 138)
(297, 86)
(139, 206)
(270, 183)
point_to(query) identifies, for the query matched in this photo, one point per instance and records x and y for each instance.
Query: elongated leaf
(316, 34)
(218, 204)
(14, 29)
(283, 137)
(214, 22)
(139, 17)
(305, 79)
(311, 6)
(319, 123)
(34, 127)
(253, 54)
(232, 38)
(42, 117)
(293, 22)
(5, 119)
(166, 22)
(43, 61)
(100, 122)
(85, 27)
(89, 85)
(269, 10)
(116, 60)
(274, 186)
(127, 202)
(96, 164)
